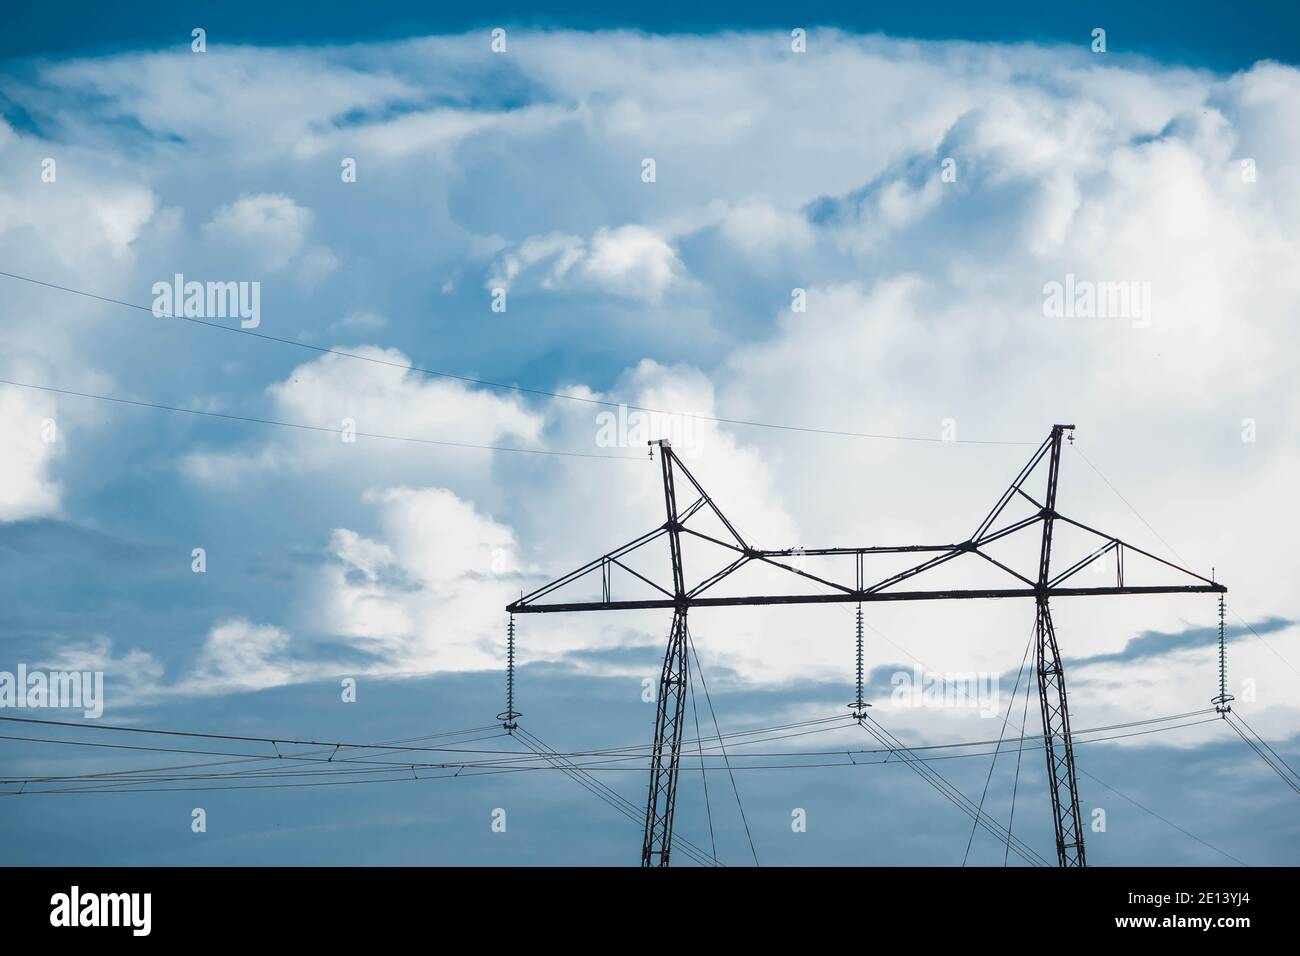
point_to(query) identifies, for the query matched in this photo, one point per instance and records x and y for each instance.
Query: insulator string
(509, 716)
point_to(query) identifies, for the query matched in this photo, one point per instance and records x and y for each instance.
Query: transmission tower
(681, 594)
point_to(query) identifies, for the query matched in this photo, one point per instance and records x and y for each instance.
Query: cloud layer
(856, 238)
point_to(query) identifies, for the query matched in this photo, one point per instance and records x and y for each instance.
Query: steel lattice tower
(681, 595)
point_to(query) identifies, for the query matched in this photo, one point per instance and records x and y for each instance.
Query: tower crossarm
(850, 597)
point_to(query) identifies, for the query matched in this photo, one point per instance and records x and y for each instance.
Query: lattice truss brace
(898, 586)
(1038, 520)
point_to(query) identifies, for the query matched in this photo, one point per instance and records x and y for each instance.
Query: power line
(1149, 527)
(994, 762)
(1276, 653)
(1166, 820)
(709, 700)
(624, 753)
(606, 793)
(105, 780)
(331, 750)
(1175, 553)
(1241, 720)
(704, 776)
(125, 781)
(399, 773)
(325, 745)
(315, 428)
(120, 728)
(1092, 777)
(1288, 780)
(954, 796)
(523, 389)
(1015, 785)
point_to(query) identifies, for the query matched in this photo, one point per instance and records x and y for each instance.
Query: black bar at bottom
(422, 907)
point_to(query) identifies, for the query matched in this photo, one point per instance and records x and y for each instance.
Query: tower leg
(669, 715)
(1061, 775)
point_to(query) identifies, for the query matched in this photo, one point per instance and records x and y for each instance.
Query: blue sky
(1203, 33)
(390, 563)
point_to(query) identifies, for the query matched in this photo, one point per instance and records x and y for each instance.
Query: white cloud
(270, 230)
(241, 656)
(121, 217)
(426, 597)
(27, 487)
(235, 656)
(246, 104)
(764, 231)
(88, 218)
(630, 261)
(129, 677)
(380, 397)
(357, 322)
(924, 305)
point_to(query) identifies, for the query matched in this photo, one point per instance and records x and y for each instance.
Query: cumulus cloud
(764, 231)
(280, 97)
(630, 261)
(241, 656)
(130, 677)
(270, 230)
(267, 218)
(76, 208)
(377, 397)
(235, 656)
(426, 595)
(924, 309)
(29, 434)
